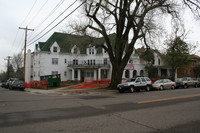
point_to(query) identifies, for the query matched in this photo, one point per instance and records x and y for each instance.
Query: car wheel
(172, 87)
(121, 91)
(148, 88)
(195, 85)
(161, 88)
(185, 86)
(131, 90)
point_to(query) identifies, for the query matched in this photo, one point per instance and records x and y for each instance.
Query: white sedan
(162, 84)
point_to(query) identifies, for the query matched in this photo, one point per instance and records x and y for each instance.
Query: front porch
(87, 70)
(159, 72)
(80, 74)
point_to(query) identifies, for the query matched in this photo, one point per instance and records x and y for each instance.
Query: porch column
(79, 75)
(99, 74)
(72, 74)
(95, 74)
(159, 72)
(168, 72)
(176, 74)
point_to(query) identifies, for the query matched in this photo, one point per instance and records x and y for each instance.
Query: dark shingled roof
(67, 41)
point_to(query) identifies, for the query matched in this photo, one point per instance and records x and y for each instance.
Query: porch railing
(89, 63)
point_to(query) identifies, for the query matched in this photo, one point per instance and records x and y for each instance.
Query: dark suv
(17, 84)
(135, 84)
(9, 81)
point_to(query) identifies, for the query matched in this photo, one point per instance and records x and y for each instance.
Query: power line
(13, 42)
(52, 11)
(38, 12)
(53, 21)
(20, 43)
(29, 12)
(46, 18)
(56, 24)
(61, 1)
(12, 46)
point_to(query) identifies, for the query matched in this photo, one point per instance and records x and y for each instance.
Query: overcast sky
(31, 13)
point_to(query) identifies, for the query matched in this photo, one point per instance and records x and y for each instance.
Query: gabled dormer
(75, 50)
(55, 48)
(91, 50)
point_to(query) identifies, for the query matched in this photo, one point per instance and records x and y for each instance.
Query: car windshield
(131, 80)
(158, 81)
(18, 82)
(179, 79)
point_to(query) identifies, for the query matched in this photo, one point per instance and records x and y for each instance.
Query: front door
(82, 76)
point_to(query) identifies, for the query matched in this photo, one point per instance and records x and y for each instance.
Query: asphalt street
(168, 111)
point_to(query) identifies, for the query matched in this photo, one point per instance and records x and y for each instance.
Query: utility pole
(8, 66)
(26, 30)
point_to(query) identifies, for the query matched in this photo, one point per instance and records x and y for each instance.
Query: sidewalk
(68, 91)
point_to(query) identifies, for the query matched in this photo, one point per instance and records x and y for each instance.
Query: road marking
(167, 99)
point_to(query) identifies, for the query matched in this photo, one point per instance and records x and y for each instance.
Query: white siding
(42, 63)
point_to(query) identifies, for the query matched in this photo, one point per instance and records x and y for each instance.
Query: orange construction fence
(38, 84)
(94, 84)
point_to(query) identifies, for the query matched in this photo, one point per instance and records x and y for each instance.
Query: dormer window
(75, 50)
(55, 49)
(158, 61)
(91, 51)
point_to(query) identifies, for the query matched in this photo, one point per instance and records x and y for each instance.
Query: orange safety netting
(38, 84)
(94, 84)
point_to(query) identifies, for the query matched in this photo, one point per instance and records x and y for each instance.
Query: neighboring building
(154, 63)
(134, 67)
(192, 70)
(78, 58)
(159, 65)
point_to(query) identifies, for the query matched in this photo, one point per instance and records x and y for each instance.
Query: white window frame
(54, 72)
(55, 61)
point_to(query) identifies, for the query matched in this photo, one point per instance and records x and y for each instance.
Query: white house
(75, 58)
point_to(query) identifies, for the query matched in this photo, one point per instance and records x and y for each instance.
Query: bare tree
(131, 20)
(17, 63)
(194, 6)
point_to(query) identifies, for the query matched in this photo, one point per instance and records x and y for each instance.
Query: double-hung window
(54, 72)
(55, 61)
(55, 49)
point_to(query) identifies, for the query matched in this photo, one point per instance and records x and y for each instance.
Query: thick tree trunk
(117, 73)
(174, 73)
(116, 77)
(118, 66)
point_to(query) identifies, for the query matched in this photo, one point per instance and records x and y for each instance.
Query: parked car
(186, 82)
(162, 84)
(9, 81)
(17, 84)
(135, 84)
(3, 84)
(198, 82)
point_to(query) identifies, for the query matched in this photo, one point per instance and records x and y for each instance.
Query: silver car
(164, 84)
(135, 84)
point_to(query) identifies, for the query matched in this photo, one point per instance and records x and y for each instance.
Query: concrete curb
(65, 91)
